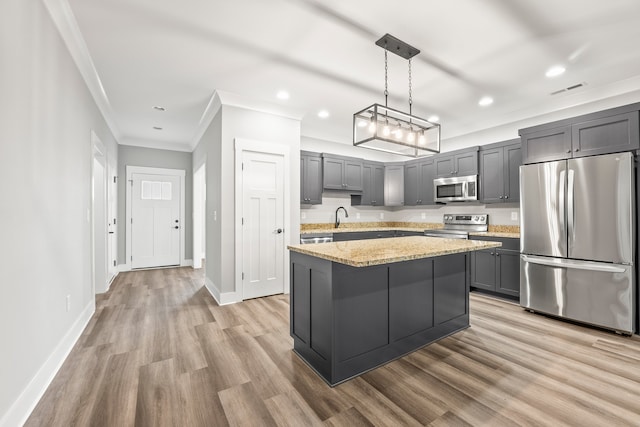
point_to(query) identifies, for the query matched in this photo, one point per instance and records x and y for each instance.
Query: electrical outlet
(514, 216)
(303, 215)
(357, 215)
(423, 215)
(215, 215)
(68, 303)
(381, 215)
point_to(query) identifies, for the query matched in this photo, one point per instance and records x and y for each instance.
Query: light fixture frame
(390, 115)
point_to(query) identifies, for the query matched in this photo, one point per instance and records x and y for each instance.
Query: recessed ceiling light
(433, 119)
(323, 114)
(283, 94)
(157, 128)
(485, 101)
(159, 108)
(555, 71)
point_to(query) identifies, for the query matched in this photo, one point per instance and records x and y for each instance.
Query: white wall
(46, 118)
(217, 147)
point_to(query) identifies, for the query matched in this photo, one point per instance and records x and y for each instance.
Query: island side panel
(451, 290)
(410, 298)
(311, 311)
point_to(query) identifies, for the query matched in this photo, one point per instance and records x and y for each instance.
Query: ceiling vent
(567, 89)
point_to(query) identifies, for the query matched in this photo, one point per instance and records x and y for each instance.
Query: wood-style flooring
(159, 351)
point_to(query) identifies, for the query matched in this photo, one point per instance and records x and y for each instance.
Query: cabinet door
(444, 166)
(411, 184)
(377, 181)
(608, 135)
(367, 184)
(303, 196)
(466, 164)
(312, 180)
(546, 145)
(333, 174)
(508, 267)
(492, 175)
(512, 163)
(353, 175)
(450, 287)
(394, 185)
(483, 269)
(425, 185)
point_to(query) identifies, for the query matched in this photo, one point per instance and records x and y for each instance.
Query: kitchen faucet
(346, 215)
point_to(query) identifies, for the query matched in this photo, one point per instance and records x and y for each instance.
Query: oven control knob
(476, 218)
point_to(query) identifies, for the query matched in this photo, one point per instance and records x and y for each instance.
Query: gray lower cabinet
(609, 131)
(341, 173)
(310, 178)
(497, 270)
(456, 163)
(499, 172)
(347, 320)
(418, 182)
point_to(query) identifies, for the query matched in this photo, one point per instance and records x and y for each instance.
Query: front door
(263, 223)
(155, 220)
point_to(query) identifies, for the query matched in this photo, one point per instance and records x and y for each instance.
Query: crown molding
(65, 21)
(158, 145)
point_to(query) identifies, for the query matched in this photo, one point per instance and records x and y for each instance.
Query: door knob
(279, 230)
(177, 220)
(176, 227)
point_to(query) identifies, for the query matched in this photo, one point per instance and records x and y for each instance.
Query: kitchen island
(356, 305)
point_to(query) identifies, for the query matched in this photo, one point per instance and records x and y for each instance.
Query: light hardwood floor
(160, 352)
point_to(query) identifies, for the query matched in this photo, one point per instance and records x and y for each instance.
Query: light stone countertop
(364, 253)
(320, 229)
(494, 234)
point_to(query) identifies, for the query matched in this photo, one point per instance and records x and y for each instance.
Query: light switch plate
(357, 215)
(423, 215)
(514, 216)
(303, 215)
(381, 215)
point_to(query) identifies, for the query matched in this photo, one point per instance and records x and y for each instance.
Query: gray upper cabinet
(499, 172)
(342, 173)
(372, 185)
(605, 132)
(310, 178)
(457, 163)
(394, 184)
(418, 182)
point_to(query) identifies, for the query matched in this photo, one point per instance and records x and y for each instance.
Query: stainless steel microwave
(455, 189)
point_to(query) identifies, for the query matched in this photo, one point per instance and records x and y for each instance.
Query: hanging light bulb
(421, 139)
(411, 136)
(386, 131)
(398, 132)
(372, 125)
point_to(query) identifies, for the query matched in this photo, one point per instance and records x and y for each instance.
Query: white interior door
(99, 208)
(263, 224)
(155, 220)
(112, 209)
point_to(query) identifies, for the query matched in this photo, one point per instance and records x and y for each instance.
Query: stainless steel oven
(455, 189)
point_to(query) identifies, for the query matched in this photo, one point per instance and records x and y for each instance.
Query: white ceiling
(176, 54)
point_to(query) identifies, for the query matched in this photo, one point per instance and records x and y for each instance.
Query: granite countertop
(505, 231)
(363, 253)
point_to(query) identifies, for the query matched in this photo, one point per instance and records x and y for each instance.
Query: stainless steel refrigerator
(578, 240)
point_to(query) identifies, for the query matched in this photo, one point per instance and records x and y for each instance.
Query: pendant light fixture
(382, 128)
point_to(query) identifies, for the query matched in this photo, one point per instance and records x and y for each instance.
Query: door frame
(98, 151)
(242, 145)
(181, 173)
(199, 213)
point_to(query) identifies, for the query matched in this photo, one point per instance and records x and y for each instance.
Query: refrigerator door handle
(579, 265)
(561, 200)
(571, 217)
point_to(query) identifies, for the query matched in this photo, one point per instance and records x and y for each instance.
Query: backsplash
(499, 214)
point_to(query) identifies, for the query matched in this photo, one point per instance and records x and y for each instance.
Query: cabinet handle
(491, 253)
(497, 254)
(502, 197)
(506, 197)
(577, 149)
(568, 151)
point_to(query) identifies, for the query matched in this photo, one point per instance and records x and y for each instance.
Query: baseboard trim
(123, 268)
(21, 409)
(186, 263)
(221, 298)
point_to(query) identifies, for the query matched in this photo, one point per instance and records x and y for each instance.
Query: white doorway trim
(199, 213)
(98, 154)
(242, 145)
(153, 171)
